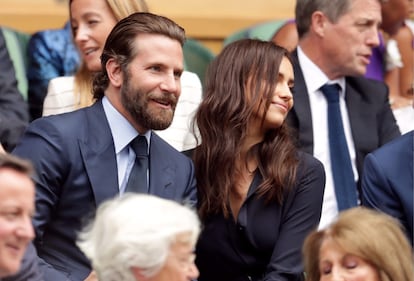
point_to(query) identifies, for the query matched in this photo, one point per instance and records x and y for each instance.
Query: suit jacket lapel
(98, 154)
(301, 109)
(362, 121)
(355, 111)
(162, 172)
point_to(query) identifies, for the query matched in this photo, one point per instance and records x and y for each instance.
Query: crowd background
(209, 21)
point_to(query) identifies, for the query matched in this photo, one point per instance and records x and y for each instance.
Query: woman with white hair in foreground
(142, 237)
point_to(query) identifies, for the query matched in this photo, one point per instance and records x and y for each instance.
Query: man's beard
(135, 101)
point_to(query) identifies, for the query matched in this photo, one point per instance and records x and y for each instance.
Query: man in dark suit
(336, 38)
(84, 157)
(14, 113)
(387, 181)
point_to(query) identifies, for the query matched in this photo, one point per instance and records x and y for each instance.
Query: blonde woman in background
(91, 22)
(362, 244)
(99, 16)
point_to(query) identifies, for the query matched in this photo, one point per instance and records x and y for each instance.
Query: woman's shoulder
(308, 164)
(308, 159)
(310, 178)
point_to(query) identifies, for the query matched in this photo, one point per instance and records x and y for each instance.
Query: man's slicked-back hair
(121, 45)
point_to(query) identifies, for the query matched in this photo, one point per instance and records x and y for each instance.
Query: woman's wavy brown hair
(240, 82)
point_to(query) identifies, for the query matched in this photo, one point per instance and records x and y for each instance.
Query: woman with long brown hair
(258, 195)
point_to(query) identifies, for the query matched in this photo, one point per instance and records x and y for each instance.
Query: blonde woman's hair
(83, 77)
(373, 236)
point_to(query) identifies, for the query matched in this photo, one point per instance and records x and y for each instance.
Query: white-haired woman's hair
(135, 230)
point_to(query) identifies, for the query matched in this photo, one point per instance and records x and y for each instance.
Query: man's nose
(373, 37)
(171, 84)
(25, 229)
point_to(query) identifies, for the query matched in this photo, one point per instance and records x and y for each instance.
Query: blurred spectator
(394, 13)
(387, 182)
(361, 244)
(16, 210)
(14, 114)
(287, 35)
(51, 53)
(401, 78)
(156, 243)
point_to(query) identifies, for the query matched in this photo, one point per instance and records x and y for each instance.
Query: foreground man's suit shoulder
(75, 162)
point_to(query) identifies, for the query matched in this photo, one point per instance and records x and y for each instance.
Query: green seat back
(16, 43)
(197, 57)
(262, 31)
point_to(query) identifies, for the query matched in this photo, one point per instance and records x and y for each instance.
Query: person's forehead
(362, 11)
(363, 7)
(149, 48)
(12, 181)
(183, 241)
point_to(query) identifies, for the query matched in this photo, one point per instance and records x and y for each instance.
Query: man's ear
(114, 72)
(319, 21)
